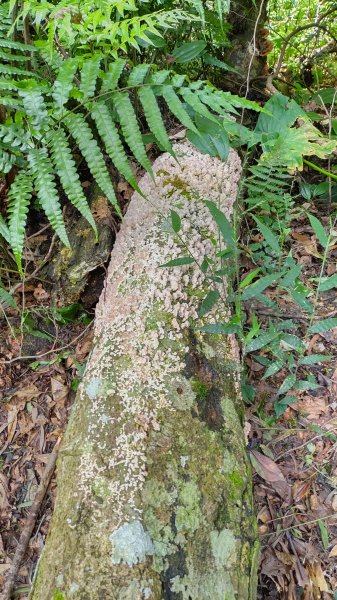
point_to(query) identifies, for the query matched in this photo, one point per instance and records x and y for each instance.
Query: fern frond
(4, 231)
(9, 70)
(193, 100)
(44, 183)
(114, 147)
(63, 84)
(19, 198)
(138, 75)
(10, 57)
(111, 77)
(83, 136)
(34, 105)
(66, 170)
(89, 74)
(176, 107)
(154, 118)
(7, 43)
(130, 128)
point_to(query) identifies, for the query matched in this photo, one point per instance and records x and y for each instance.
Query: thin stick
(30, 523)
(52, 351)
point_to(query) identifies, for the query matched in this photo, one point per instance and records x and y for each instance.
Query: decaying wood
(154, 493)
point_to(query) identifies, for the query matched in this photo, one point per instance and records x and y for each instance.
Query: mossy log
(154, 495)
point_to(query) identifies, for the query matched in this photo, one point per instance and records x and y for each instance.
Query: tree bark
(154, 495)
(248, 50)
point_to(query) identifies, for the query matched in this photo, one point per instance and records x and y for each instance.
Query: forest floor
(295, 457)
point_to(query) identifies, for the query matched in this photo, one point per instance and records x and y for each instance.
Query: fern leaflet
(66, 169)
(19, 198)
(154, 118)
(82, 134)
(130, 128)
(44, 183)
(89, 74)
(176, 107)
(114, 147)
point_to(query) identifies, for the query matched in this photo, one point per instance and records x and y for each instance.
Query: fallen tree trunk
(154, 494)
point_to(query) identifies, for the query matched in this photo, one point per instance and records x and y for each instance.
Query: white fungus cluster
(141, 318)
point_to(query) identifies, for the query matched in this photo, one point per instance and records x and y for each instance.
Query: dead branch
(30, 523)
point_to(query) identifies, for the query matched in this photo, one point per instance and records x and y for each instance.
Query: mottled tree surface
(154, 493)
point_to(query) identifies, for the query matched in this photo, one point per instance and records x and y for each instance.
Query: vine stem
(319, 169)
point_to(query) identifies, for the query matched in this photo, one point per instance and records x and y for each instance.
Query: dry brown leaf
(300, 490)
(59, 391)
(40, 294)
(271, 472)
(12, 420)
(4, 504)
(333, 551)
(312, 407)
(317, 576)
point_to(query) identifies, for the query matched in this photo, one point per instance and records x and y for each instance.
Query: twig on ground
(52, 351)
(30, 523)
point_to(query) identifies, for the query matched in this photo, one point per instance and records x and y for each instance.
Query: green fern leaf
(138, 75)
(19, 198)
(4, 231)
(176, 107)
(89, 74)
(111, 77)
(44, 183)
(82, 134)
(67, 172)
(154, 118)
(9, 70)
(193, 100)
(7, 43)
(130, 128)
(10, 57)
(64, 82)
(34, 105)
(11, 102)
(114, 147)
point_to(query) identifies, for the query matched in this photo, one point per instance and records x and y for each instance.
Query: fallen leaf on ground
(271, 472)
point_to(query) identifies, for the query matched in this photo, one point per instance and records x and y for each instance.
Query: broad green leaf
(247, 280)
(269, 237)
(293, 341)
(319, 231)
(281, 406)
(175, 221)
(305, 385)
(220, 328)
(177, 262)
(324, 533)
(328, 283)
(302, 301)
(283, 114)
(291, 276)
(7, 298)
(313, 359)
(222, 222)
(188, 51)
(208, 303)
(324, 325)
(259, 286)
(288, 383)
(260, 342)
(273, 368)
